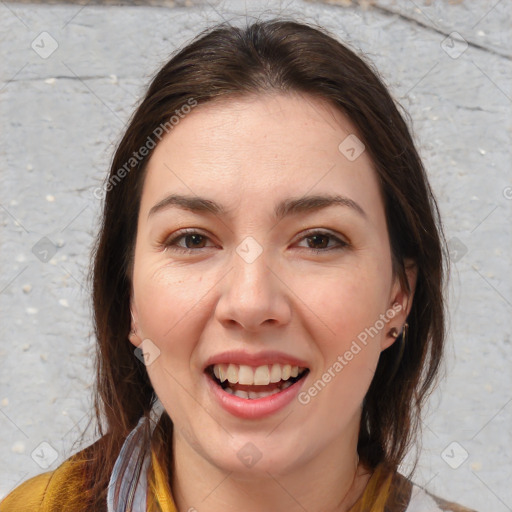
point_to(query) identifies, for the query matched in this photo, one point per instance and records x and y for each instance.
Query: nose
(253, 296)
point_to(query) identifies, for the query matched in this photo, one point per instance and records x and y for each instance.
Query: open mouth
(229, 380)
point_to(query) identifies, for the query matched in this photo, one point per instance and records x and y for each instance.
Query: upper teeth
(260, 376)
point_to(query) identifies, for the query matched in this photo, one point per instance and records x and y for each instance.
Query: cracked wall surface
(71, 75)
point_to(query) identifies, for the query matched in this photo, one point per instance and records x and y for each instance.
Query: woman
(267, 288)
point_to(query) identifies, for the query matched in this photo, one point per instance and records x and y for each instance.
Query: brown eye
(322, 240)
(192, 239)
(318, 241)
(195, 240)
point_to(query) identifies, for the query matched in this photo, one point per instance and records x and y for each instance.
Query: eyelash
(171, 243)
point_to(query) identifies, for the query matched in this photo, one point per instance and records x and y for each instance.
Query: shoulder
(448, 506)
(414, 498)
(28, 496)
(51, 491)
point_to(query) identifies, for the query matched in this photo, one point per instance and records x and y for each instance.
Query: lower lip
(254, 408)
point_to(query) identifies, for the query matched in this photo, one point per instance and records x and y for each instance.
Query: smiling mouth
(254, 391)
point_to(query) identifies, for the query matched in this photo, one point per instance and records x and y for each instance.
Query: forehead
(250, 151)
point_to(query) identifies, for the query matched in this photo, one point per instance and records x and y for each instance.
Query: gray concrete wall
(62, 112)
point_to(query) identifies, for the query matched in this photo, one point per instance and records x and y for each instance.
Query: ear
(133, 335)
(400, 303)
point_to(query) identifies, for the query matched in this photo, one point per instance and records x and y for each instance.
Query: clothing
(55, 490)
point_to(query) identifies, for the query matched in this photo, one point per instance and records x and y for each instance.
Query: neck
(332, 481)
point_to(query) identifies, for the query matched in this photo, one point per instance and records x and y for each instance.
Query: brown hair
(285, 56)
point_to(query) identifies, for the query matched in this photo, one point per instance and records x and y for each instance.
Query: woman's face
(264, 281)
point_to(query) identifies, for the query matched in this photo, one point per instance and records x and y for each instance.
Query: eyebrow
(287, 207)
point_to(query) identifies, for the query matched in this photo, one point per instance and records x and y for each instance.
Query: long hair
(284, 56)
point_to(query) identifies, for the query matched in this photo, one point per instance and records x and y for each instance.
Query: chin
(255, 459)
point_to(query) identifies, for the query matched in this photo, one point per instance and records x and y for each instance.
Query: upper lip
(256, 359)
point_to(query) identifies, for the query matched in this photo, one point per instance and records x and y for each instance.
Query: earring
(403, 336)
(401, 348)
(404, 331)
(393, 332)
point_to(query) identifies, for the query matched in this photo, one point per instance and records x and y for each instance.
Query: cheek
(349, 308)
(345, 301)
(170, 311)
(170, 315)
(164, 299)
